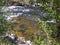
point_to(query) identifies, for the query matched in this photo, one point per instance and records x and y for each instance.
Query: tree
(31, 1)
(2, 2)
(3, 25)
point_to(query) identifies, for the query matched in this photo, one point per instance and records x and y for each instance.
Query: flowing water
(28, 12)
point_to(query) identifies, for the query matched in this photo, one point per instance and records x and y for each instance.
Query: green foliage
(45, 37)
(3, 30)
(51, 13)
(2, 2)
(31, 1)
(38, 1)
(57, 5)
(48, 29)
(42, 1)
(3, 26)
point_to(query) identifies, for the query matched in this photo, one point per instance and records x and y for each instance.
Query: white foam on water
(51, 21)
(11, 7)
(26, 10)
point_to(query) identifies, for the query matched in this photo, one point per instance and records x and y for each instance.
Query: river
(28, 12)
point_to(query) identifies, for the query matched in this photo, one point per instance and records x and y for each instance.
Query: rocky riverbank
(22, 3)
